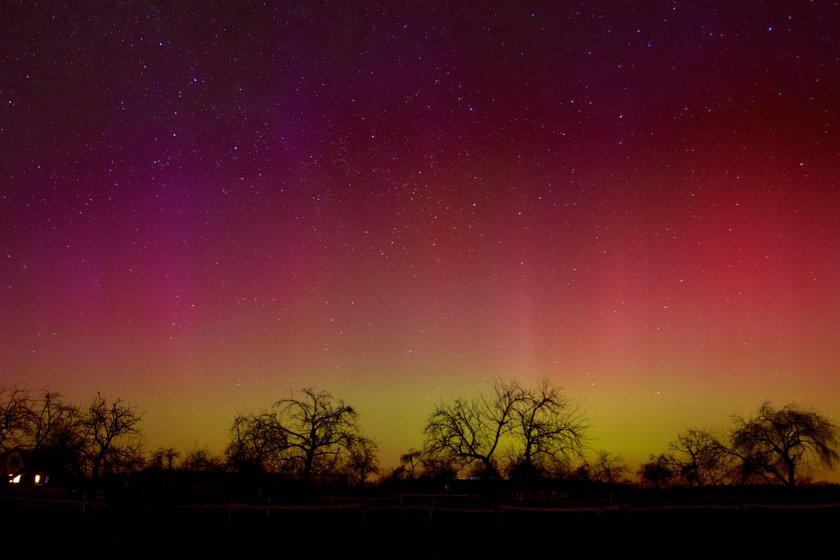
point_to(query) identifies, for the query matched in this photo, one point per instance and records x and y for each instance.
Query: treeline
(68, 441)
(514, 432)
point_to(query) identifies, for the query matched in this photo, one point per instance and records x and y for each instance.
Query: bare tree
(112, 436)
(202, 460)
(411, 463)
(470, 432)
(15, 405)
(255, 443)
(317, 428)
(361, 461)
(303, 435)
(700, 458)
(609, 468)
(657, 472)
(776, 445)
(66, 440)
(550, 428)
(164, 458)
(56, 434)
(54, 423)
(538, 429)
(415, 465)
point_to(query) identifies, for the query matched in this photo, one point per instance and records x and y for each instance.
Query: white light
(37, 479)
(16, 479)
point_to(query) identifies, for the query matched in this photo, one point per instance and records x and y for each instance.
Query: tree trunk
(791, 472)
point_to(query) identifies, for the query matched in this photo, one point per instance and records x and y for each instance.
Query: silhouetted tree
(415, 465)
(56, 433)
(411, 464)
(300, 435)
(539, 429)
(112, 436)
(605, 467)
(163, 458)
(46, 426)
(53, 422)
(657, 472)
(15, 408)
(548, 428)
(439, 468)
(608, 468)
(582, 472)
(202, 460)
(701, 459)
(775, 445)
(255, 443)
(316, 427)
(361, 460)
(470, 432)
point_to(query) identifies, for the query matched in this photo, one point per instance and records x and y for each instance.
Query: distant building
(23, 466)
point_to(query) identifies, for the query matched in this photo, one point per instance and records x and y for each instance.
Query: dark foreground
(36, 528)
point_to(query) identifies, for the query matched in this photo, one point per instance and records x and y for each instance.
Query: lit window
(16, 479)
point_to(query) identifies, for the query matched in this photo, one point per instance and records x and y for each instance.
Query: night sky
(207, 205)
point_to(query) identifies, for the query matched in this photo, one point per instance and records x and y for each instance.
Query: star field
(203, 207)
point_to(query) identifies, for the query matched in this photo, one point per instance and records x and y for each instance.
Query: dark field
(37, 525)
